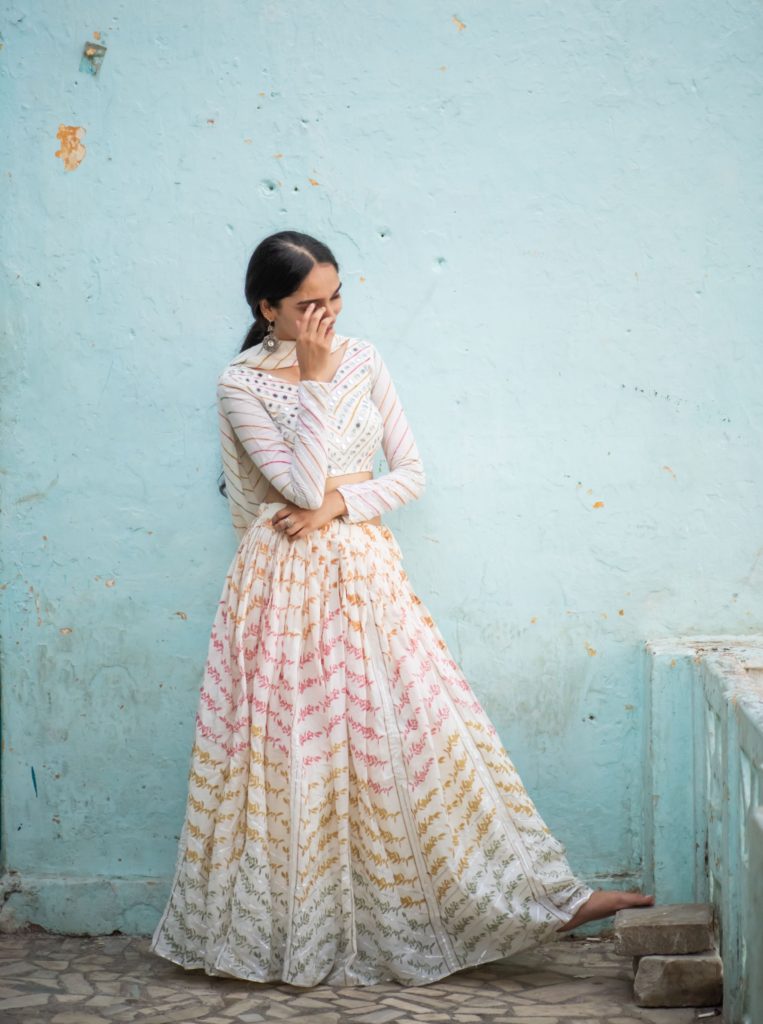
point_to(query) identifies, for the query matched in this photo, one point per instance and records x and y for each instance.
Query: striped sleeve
(298, 474)
(405, 480)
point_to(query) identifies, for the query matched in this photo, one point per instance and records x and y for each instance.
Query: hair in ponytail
(277, 268)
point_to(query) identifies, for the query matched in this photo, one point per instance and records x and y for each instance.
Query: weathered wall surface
(547, 217)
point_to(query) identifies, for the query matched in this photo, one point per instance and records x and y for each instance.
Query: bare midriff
(332, 482)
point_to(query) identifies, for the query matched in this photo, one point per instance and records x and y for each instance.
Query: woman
(352, 816)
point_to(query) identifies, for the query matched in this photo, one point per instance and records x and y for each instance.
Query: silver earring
(270, 342)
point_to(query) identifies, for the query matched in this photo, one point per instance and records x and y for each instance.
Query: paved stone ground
(81, 980)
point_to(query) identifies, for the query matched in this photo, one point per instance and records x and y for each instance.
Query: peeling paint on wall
(72, 151)
(520, 273)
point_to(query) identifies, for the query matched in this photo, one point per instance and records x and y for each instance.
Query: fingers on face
(315, 320)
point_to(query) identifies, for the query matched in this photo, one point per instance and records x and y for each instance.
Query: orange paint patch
(72, 152)
(590, 651)
(458, 23)
(362, 279)
(96, 35)
(313, 181)
(621, 611)
(598, 504)
(534, 619)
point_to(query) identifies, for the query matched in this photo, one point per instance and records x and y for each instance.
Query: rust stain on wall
(72, 152)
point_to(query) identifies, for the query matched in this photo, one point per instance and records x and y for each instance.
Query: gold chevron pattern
(352, 816)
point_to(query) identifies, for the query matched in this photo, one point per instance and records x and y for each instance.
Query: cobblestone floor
(78, 980)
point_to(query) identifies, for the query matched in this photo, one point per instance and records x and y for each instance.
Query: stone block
(694, 979)
(665, 929)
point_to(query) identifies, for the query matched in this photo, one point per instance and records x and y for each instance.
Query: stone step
(690, 979)
(671, 928)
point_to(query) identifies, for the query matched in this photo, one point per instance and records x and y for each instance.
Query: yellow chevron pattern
(352, 816)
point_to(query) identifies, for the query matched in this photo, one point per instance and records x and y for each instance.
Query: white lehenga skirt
(352, 816)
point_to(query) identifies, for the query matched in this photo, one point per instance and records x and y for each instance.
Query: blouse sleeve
(405, 480)
(299, 475)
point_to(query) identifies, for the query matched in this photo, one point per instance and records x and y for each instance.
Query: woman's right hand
(314, 343)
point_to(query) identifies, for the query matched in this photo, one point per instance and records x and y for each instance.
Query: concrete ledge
(81, 906)
(703, 785)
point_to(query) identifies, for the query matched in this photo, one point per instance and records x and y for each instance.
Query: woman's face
(321, 286)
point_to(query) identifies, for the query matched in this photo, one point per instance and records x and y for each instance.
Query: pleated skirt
(352, 816)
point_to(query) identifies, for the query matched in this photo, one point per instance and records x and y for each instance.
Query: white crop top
(295, 435)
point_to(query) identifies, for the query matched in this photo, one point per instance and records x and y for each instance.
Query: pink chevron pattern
(352, 816)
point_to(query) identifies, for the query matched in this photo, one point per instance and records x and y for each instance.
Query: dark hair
(277, 268)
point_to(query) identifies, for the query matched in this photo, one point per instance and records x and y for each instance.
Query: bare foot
(604, 903)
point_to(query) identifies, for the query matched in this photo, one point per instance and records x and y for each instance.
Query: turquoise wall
(548, 219)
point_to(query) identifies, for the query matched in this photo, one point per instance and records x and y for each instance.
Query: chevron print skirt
(352, 816)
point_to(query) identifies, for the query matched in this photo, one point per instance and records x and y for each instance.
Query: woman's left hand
(297, 522)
